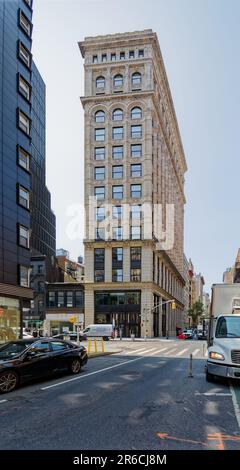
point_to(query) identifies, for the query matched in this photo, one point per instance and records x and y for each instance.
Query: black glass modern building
(26, 220)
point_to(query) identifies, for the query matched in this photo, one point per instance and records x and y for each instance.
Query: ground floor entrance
(125, 324)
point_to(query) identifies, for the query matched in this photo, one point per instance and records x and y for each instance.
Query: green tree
(196, 311)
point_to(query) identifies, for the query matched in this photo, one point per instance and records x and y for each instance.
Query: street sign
(73, 319)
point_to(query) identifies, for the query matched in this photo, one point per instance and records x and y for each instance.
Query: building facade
(134, 187)
(26, 221)
(15, 155)
(64, 300)
(69, 270)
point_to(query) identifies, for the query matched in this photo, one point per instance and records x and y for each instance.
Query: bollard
(190, 366)
(89, 345)
(95, 345)
(102, 345)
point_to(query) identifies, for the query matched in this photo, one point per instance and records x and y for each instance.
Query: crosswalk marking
(170, 351)
(195, 352)
(182, 352)
(154, 351)
(145, 351)
(134, 350)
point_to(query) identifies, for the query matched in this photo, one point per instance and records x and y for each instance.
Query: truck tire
(210, 377)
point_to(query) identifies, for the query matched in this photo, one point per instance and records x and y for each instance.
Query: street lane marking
(153, 353)
(145, 351)
(170, 351)
(195, 352)
(182, 352)
(2, 401)
(235, 405)
(172, 438)
(134, 351)
(212, 394)
(93, 373)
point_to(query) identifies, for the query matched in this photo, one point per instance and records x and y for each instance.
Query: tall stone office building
(26, 221)
(134, 187)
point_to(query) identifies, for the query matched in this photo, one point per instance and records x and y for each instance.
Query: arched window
(100, 116)
(118, 80)
(100, 82)
(136, 113)
(136, 78)
(117, 115)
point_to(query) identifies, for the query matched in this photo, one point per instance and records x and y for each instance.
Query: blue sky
(200, 43)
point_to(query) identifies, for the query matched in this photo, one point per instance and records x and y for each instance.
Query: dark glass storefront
(122, 309)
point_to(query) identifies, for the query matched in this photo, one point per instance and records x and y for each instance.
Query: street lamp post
(146, 311)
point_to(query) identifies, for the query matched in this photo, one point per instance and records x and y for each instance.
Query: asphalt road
(139, 398)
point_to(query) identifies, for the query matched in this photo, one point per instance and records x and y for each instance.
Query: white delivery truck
(224, 332)
(106, 331)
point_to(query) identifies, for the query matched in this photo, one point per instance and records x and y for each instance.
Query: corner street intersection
(140, 397)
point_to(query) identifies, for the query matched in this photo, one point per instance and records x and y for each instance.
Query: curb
(107, 353)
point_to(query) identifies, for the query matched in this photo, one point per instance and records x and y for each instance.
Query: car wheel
(75, 366)
(209, 377)
(8, 381)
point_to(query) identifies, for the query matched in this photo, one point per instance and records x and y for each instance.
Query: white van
(102, 330)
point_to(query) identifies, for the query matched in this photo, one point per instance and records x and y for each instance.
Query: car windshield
(12, 349)
(228, 327)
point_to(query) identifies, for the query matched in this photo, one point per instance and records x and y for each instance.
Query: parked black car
(26, 359)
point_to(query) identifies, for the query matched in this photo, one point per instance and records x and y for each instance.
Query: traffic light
(173, 305)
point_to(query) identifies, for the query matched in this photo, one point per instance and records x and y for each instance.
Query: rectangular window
(117, 256)
(131, 54)
(99, 214)
(79, 298)
(23, 197)
(117, 212)
(117, 233)
(104, 57)
(99, 173)
(136, 275)
(117, 172)
(117, 192)
(69, 299)
(40, 269)
(25, 23)
(24, 54)
(135, 255)
(136, 190)
(135, 233)
(99, 261)
(24, 276)
(95, 59)
(24, 122)
(117, 152)
(24, 88)
(136, 150)
(122, 55)
(100, 233)
(99, 192)
(136, 132)
(99, 135)
(23, 158)
(60, 299)
(99, 153)
(113, 56)
(141, 53)
(24, 236)
(51, 299)
(117, 275)
(136, 212)
(117, 133)
(136, 170)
